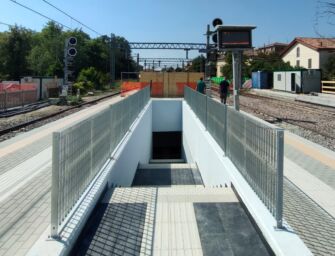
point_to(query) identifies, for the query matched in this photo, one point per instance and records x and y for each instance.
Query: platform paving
(155, 221)
(25, 209)
(314, 225)
(25, 183)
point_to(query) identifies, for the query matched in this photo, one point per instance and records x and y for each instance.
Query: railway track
(313, 122)
(37, 120)
(311, 118)
(309, 107)
(297, 122)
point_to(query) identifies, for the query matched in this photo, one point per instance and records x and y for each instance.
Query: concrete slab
(225, 229)
(315, 99)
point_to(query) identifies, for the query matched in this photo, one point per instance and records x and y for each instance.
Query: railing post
(280, 176)
(21, 97)
(5, 106)
(225, 131)
(55, 183)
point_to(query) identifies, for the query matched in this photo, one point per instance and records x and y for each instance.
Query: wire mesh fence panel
(101, 135)
(197, 102)
(2, 100)
(254, 146)
(217, 121)
(11, 99)
(81, 150)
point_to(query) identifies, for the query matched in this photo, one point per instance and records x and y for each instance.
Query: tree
(268, 62)
(46, 57)
(198, 64)
(15, 45)
(227, 70)
(90, 78)
(325, 12)
(123, 60)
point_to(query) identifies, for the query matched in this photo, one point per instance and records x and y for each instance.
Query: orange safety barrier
(157, 89)
(180, 87)
(131, 86)
(17, 87)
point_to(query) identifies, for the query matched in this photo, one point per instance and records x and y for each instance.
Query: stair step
(158, 161)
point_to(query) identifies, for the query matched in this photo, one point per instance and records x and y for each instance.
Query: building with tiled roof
(272, 48)
(310, 53)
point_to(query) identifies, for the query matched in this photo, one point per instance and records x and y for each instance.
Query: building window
(298, 51)
(298, 63)
(309, 63)
(279, 77)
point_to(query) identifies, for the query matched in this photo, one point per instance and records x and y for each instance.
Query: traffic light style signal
(72, 41)
(71, 50)
(217, 22)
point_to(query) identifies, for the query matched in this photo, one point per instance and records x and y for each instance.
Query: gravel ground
(7, 122)
(314, 123)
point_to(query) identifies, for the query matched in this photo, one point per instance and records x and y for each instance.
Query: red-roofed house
(310, 53)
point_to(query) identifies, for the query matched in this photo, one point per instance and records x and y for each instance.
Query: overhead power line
(6, 24)
(37, 12)
(84, 25)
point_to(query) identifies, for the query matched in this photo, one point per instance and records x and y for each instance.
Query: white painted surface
(305, 54)
(166, 115)
(204, 150)
(120, 170)
(135, 149)
(279, 81)
(215, 169)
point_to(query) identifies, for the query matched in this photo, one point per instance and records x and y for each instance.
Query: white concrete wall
(134, 149)
(200, 147)
(216, 169)
(305, 54)
(279, 84)
(166, 115)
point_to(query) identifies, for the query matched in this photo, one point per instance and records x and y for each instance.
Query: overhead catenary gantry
(168, 46)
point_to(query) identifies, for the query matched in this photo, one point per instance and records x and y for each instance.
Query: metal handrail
(81, 150)
(255, 147)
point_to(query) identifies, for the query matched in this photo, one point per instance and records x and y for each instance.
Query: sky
(175, 20)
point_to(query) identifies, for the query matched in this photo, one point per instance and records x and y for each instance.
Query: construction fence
(163, 84)
(15, 95)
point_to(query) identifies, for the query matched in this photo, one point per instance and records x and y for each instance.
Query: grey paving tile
(225, 229)
(318, 169)
(104, 236)
(314, 225)
(11, 160)
(23, 226)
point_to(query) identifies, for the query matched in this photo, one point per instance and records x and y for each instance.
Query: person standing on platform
(224, 86)
(201, 86)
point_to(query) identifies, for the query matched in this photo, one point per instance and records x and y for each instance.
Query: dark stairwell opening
(166, 145)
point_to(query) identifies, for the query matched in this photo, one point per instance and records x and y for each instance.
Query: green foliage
(262, 62)
(269, 62)
(198, 64)
(46, 56)
(90, 78)
(15, 45)
(329, 68)
(27, 53)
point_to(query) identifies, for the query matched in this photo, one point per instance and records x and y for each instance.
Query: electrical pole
(237, 75)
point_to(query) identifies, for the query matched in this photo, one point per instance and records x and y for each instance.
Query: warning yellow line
(310, 151)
